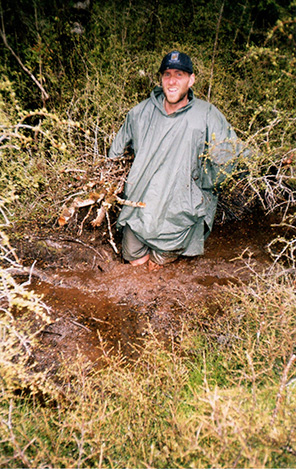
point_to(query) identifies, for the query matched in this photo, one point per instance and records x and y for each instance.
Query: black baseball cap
(176, 60)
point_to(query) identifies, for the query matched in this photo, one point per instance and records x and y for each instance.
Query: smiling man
(184, 148)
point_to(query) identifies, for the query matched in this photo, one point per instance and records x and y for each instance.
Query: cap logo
(175, 56)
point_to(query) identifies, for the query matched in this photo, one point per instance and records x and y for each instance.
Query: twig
(130, 203)
(28, 282)
(74, 170)
(215, 49)
(79, 325)
(282, 387)
(7, 222)
(278, 26)
(251, 366)
(72, 240)
(84, 219)
(20, 270)
(19, 452)
(50, 332)
(111, 240)
(101, 320)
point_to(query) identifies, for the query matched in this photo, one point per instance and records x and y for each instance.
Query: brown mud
(100, 305)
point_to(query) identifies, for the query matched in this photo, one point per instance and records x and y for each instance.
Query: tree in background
(62, 44)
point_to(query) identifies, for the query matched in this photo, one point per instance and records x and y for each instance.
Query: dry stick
(7, 222)
(84, 219)
(251, 366)
(214, 51)
(111, 240)
(19, 452)
(45, 96)
(79, 325)
(28, 282)
(72, 240)
(282, 387)
(20, 270)
(241, 19)
(130, 203)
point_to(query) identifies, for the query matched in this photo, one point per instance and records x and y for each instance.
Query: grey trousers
(133, 248)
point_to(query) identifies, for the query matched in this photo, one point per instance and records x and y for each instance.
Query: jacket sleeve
(123, 139)
(223, 150)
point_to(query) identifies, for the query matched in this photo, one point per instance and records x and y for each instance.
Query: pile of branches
(100, 194)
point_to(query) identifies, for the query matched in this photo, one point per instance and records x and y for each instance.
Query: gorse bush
(40, 148)
(94, 77)
(22, 317)
(256, 329)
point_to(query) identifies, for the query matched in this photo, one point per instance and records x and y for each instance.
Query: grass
(223, 397)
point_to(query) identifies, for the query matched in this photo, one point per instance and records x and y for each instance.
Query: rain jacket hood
(180, 161)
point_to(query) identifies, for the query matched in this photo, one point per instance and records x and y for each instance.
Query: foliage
(64, 45)
(22, 317)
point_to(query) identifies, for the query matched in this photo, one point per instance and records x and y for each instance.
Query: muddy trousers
(133, 249)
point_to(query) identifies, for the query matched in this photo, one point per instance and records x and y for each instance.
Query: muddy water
(89, 324)
(100, 305)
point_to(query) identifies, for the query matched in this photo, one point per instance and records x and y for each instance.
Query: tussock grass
(224, 396)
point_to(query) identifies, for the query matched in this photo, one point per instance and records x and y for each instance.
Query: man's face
(176, 84)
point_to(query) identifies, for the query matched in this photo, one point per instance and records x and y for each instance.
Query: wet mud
(101, 305)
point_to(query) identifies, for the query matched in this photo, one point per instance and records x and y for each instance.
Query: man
(184, 148)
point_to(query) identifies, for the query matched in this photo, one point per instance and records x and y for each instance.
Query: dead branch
(215, 49)
(68, 213)
(83, 221)
(282, 386)
(100, 217)
(106, 187)
(130, 203)
(111, 240)
(73, 240)
(79, 325)
(21, 270)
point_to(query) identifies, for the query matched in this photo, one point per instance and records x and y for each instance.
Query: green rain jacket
(180, 161)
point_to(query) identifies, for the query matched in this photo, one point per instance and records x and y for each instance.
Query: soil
(99, 304)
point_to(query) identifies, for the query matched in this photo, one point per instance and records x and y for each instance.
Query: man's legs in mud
(133, 250)
(137, 253)
(152, 266)
(158, 259)
(140, 261)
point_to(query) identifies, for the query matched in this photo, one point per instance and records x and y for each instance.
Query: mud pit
(99, 304)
